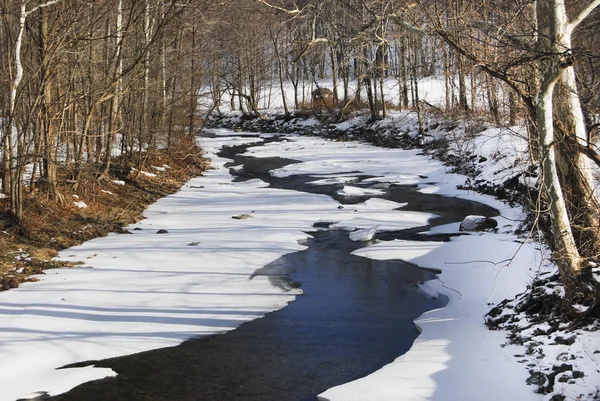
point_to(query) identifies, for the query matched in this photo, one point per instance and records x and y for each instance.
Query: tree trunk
(118, 72)
(574, 167)
(49, 174)
(567, 186)
(566, 253)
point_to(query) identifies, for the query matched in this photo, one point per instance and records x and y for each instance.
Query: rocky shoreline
(435, 142)
(561, 357)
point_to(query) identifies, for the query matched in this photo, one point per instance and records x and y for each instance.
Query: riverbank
(92, 208)
(560, 360)
(184, 273)
(493, 160)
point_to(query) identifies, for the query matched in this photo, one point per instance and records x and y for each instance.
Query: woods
(88, 81)
(94, 86)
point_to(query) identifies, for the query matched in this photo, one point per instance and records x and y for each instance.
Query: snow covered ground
(561, 361)
(147, 290)
(456, 356)
(431, 90)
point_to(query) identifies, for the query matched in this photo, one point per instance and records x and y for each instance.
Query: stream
(355, 316)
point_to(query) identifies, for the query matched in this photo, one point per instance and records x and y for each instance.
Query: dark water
(448, 209)
(355, 316)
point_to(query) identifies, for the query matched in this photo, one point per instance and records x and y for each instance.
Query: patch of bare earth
(90, 208)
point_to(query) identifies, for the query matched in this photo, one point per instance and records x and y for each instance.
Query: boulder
(478, 223)
(242, 216)
(322, 94)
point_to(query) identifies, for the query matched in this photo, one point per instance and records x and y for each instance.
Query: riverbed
(354, 316)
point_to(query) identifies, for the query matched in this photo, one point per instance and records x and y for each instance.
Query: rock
(242, 217)
(38, 395)
(162, 232)
(137, 229)
(323, 224)
(565, 341)
(478, 223)
(536, 378)
(193, 244)
(578, 374)
(565, 367)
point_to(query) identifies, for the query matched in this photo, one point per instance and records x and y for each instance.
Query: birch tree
(537, 64)
(12, 168)
(555, 31)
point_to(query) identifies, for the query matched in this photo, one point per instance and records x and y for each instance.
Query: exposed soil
(112, 202)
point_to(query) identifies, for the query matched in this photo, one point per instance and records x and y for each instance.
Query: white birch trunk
(17, 54)
(554, 39)
(146, 67)
(566, 253)
(13, 175)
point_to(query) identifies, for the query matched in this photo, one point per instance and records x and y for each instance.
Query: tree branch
(590, 153)
(582, 15)
(408, 26)
(285, 10)
(491, 70)
(309, 45)
(34, 9)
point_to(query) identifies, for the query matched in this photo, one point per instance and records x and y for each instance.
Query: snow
(349, 190)
(385, 220)
(145, 173)
(334, 180)
(80, 204)
(145, 291)
(455, 357)
(381, 204)
(431, 90)
(365, 234)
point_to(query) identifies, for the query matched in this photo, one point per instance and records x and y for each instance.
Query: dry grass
(27, 248)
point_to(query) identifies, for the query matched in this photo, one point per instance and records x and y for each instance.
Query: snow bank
(144, 291)
(456, 357)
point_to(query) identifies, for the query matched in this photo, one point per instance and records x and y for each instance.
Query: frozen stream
(355, 316)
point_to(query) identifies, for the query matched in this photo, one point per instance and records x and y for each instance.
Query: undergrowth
(29, 246)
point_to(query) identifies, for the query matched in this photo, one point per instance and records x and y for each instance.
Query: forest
(91, 88)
